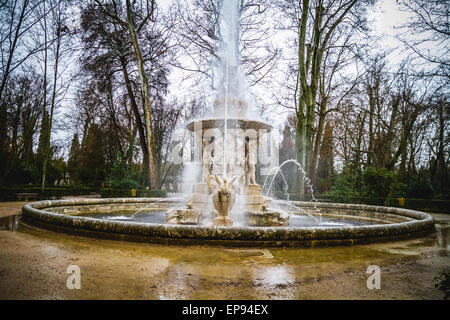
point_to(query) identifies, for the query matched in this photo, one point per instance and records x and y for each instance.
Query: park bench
(27, 196)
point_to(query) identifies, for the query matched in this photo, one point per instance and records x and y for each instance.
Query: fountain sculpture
(230, 140)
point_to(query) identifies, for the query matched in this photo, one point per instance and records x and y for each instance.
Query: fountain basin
(386, 224)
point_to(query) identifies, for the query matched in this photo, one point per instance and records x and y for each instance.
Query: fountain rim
(419, 224)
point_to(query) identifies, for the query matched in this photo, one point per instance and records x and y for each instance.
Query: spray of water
(228, 59)
(225, 124)
(154, 203)
(277, 170)
(189, 177)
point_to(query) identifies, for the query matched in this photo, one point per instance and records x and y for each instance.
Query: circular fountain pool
(143, 219)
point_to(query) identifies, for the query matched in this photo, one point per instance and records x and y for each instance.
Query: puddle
(277, 276)
(10, 223)
(443, 234)
(434, 245)
(264, 253)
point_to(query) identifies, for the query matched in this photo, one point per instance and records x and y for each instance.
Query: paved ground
(33, 265)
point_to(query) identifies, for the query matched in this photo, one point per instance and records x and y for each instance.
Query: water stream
(268, 191)
(152, 204)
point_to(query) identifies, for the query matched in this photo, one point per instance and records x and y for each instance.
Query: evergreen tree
(92, 158)
(326, 168)
(74, 161)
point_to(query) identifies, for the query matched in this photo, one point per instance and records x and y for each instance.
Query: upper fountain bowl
(232, 123)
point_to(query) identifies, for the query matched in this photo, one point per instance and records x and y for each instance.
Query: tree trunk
(44, 103)
(300, 131)
(153, 176)
(300, 148)
(52, 103)
(317, 142)
(137, 116)
(371, 134)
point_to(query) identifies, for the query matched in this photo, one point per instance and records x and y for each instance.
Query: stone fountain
(230, 150)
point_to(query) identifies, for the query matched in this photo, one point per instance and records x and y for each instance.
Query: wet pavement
(33, 264)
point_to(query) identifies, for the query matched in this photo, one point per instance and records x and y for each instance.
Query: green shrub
(9, 193)
(380, 183)
(345, 185)
(152, 193)
(119, 177)
(419, 188)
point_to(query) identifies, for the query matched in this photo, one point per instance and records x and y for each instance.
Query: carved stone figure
(250, 161)
(223, 198)
(208, 158)
(217, 166)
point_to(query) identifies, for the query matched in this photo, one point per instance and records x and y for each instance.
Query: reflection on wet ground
(33, 265)
(10, 223)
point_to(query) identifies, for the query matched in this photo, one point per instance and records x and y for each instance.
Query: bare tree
(60, 48)
(137, 15)
(316, 25)
(428, 28)
(17, 19)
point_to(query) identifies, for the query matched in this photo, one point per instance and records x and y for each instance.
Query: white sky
(386, 16)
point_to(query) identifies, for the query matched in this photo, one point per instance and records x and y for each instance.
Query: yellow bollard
(133, 192)
(401, 202)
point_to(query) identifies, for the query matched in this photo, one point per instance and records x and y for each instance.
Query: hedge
(427, 205)
(141, 193)
(9, 193)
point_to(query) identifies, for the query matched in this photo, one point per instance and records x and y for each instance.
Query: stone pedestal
(187, 215)
(267, 218)
(252, 198)
(256, 212)
(222, 221)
